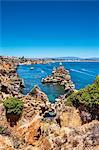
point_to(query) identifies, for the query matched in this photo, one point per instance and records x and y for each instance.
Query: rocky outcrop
(85, 137)
(60, 76)
(42, 135)
(10, 83)
(31, 132)
(38, 94)
(70, 117)
(36, 102)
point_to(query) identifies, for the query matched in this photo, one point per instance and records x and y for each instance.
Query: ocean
(82, 74)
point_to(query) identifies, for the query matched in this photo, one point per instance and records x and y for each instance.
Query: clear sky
(50, 28)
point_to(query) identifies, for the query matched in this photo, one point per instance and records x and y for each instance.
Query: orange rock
(5, 143)
(45, 144)
(34, 132)
(30, 132)
(70, 117)
(7, 66)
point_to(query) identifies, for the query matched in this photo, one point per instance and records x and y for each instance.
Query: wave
(82, 72)
(87, 70)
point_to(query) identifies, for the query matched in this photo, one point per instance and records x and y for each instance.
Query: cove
(82, 74)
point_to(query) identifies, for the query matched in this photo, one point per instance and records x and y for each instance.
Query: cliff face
(33, 131)
(49, 136)
(10, 83)
(70, 117)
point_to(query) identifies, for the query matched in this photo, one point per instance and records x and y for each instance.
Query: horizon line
(57, 57)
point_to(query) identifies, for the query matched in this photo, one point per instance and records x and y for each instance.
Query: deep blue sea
(82, 74)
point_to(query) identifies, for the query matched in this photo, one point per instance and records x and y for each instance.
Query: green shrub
(97, 81)
(88, 97)
(13, 106)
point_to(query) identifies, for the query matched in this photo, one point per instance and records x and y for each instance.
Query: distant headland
(24, 60)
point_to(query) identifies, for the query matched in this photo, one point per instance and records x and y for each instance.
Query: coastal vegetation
(87, 98)
(13, 106)
(14, 109)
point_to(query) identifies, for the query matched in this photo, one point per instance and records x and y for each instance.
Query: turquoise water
(82, 74)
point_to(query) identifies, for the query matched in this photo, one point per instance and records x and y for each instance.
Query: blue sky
(50, 29)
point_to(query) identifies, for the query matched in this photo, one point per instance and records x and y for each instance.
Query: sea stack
(60, 76)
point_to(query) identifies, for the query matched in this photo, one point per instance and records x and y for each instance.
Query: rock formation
(61, 76)
(10, 83)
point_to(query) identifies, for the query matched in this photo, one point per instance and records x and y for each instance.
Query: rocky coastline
(33, 131)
